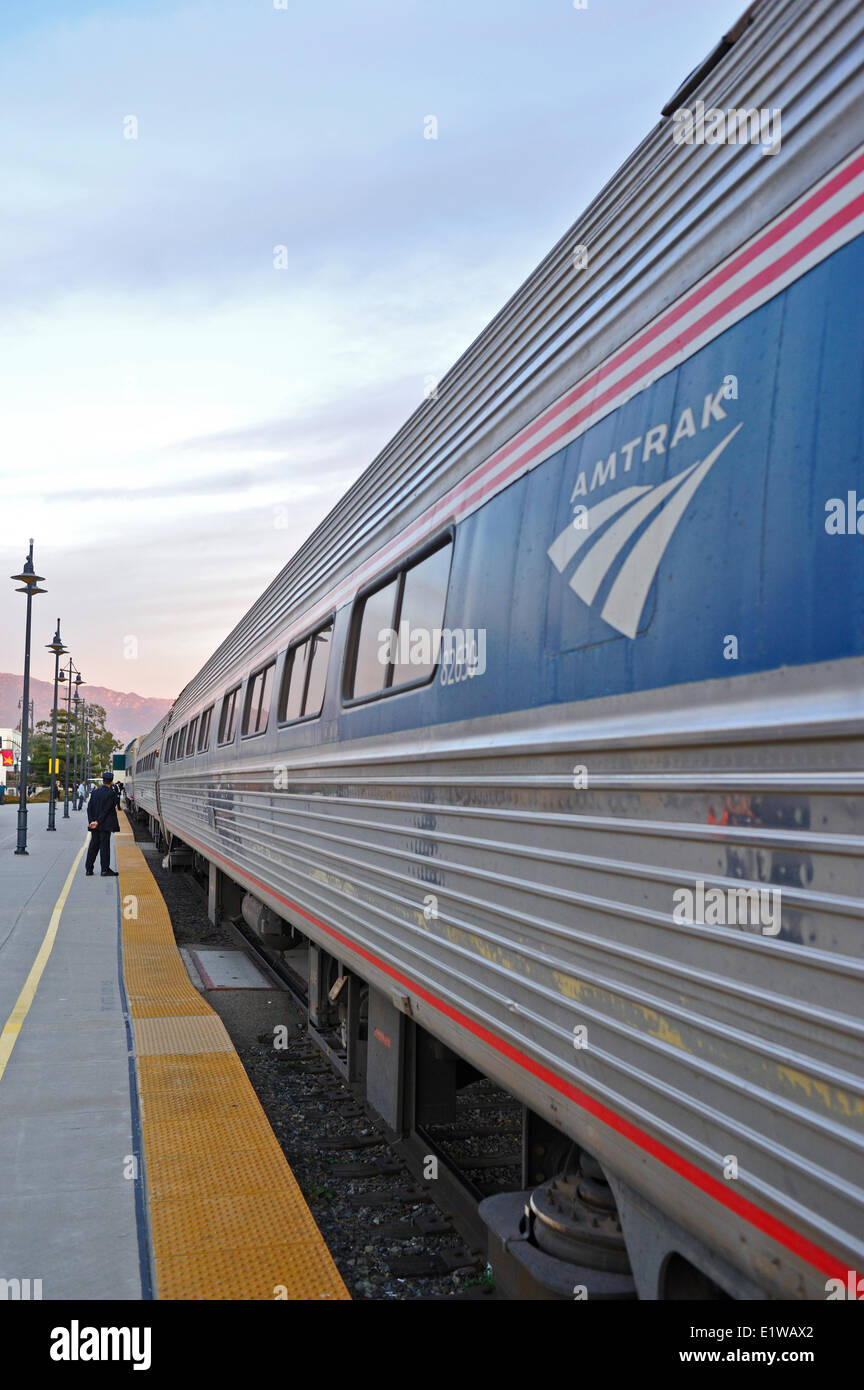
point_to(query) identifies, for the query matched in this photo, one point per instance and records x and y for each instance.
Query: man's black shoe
(88, 873)
(110, 873)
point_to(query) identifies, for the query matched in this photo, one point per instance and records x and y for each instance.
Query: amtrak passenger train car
(549, 739)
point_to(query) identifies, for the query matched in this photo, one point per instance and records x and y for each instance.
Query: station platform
(135, 1159)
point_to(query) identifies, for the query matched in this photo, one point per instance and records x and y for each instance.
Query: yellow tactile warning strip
(227, 1217)
(159, 1037)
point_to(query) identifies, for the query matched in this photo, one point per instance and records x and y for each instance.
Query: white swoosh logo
(626, 599)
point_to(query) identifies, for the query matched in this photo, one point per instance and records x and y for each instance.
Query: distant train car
(144, 777)
(549, 738)
(126, 773)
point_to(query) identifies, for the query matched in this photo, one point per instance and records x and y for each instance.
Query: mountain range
(126, 714)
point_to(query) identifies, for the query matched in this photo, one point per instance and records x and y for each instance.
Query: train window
(181, 743)
(319, 660)
(226, 718)
(423, 593)
(256, 710)
(411, 608)
(190, 740)
(293, 682)
(204, 735)
(379, 612)
(305, 676)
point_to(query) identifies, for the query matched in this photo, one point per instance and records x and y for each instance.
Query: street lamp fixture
(56, 646)
(66, 678)
(29, 581)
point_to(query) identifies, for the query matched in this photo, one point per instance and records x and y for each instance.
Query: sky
(180, 403)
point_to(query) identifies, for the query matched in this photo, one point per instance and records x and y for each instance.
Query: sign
(8, 757)
(119, 762)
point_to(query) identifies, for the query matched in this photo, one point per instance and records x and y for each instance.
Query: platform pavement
(70, 1205)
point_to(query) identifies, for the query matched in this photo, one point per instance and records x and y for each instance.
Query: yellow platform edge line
(12, 1026)
(223, 1237)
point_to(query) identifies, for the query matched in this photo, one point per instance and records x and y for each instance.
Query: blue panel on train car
(722, 535)
(691, 516)
(817, 455)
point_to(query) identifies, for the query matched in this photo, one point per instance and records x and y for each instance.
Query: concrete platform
(71, 1199)
(135, 1158)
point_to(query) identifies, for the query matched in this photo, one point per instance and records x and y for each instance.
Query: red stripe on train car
(784, 1235)
(478, 485)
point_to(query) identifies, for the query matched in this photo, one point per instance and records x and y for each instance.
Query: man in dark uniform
(102, 819)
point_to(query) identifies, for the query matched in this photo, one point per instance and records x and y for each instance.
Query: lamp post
(59, 650)
(63, 678)
(87, 738)
(29, 582)
(77, 702)
(30, 714)
(92, 740)
(67, 679)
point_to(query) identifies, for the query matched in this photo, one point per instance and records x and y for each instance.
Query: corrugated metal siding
(658, 226)
(553, 908)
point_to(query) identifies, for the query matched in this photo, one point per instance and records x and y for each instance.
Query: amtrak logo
(626, 599)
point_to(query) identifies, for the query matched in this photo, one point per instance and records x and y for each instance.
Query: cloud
(166, 389)
(359, 410)
(239, 483)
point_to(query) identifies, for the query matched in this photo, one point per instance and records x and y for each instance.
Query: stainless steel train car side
(499, 860)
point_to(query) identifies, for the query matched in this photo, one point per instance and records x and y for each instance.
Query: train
(541, 759)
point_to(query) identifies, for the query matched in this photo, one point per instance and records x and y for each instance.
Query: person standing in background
(101, 821)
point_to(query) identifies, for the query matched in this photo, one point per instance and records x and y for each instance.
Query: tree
(40, 748)
(102, 745)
